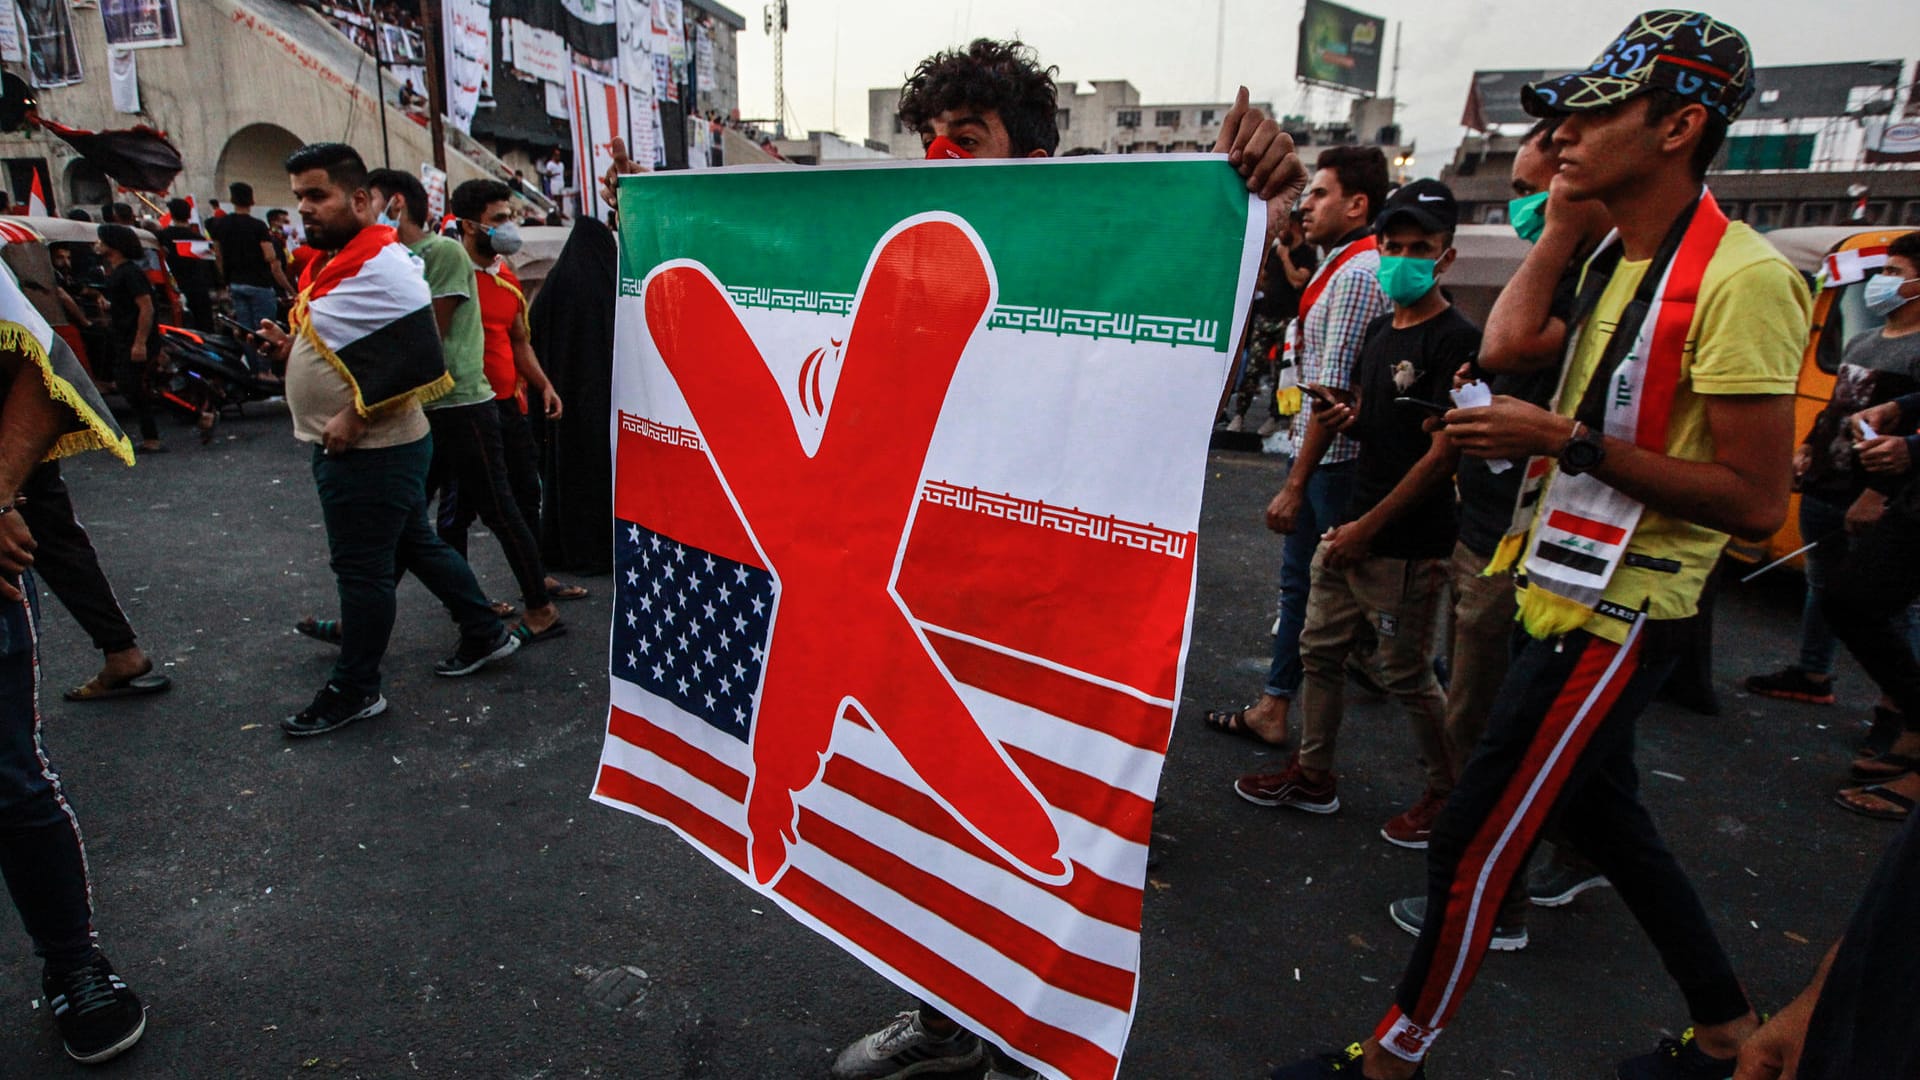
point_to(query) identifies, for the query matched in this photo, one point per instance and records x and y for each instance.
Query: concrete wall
(253, 79)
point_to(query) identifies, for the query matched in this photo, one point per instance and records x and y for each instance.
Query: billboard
(140, 24)
(1340, 47)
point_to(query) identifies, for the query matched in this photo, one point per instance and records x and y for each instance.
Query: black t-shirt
(1417, 363)
(1874, 369)
(192, 274)
(1487, 499)
(125, 285)
(1282, 298)
(1867, 1023)
(240, 237)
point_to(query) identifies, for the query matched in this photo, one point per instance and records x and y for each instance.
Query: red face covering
(943, 149)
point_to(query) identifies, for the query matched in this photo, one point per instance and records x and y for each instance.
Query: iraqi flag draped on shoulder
(24, 331)
(367, 309)
(909, 472)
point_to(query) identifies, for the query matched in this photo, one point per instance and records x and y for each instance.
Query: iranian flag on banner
(909, 471)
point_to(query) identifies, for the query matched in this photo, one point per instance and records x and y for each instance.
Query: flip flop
(1880, 769)
(1234, 723)
(503, 609)
(534, 637)
(147, 682)
(327, 630)
(1884, 794)
(567, 592)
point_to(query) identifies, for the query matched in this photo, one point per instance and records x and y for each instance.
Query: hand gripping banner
(908, 476)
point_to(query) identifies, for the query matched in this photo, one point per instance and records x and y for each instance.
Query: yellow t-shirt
(1747, 338)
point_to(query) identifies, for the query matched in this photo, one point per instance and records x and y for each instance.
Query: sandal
(533, 637)
(557, 591)
(1887, 766)
(1881, 734)
(99, 689)
(504, 610)
(327, 630)
(1235, 723)
(1897, 808)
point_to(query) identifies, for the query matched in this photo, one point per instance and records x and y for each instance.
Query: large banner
(1340, 47)
(468, 27)
(909, 473)
(598, 109)
(140, 24)
(53, 57)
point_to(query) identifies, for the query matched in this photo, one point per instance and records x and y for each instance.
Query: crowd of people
(1505, 530)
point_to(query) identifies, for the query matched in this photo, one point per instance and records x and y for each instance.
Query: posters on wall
(123, 78)
(539, 53)
(599, 114)
(556, 96)
(673, 25)
(643, 112)
(53, 56)
(140, 24)
(593, 12)
(636, 42)
(11, 48)
(469, 58)
(435, 181)
(702, 61)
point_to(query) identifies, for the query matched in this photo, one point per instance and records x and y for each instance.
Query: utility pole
(1219, 49)
(436, 82)
(774, 20)
(1393, 83)
(380, 88)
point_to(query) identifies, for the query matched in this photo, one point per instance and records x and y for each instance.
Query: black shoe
(1676, 1059)
(474, 654)
(1410, 914)
(98, 1016)
(1338, 1065)
(332, 708)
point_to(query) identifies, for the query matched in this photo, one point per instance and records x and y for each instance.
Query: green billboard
(1340, 47)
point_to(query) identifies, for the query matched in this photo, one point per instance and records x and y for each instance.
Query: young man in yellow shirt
(1673, 428)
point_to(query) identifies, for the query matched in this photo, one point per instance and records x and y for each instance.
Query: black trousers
(523, 461)
(66, 561)
(1558, 747)
(1878, 580)
(467, 451)
(135, 382)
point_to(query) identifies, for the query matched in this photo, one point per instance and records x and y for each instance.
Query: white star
(693, 581)
(693, 627)
(758, 653)
(666, 570)
(740, 624)
(694, 670)
(633, 576)
(632, 660)
(759, 606)
(708, 653)
(726, 640)
(679, 553)
(632, 619)
(659, 673)
(709, 564)
(726, 686)
(633, 534)
(726, 594)
(646, 561)
(682, 597)
(739, 716)
(646, 604)
(668, 613)
(656, 588)
(656, 543)
(739, 670)
(740, 574)
(683, 686)
(683, 643)
(708, 608)
(645, 645)
(709, 698)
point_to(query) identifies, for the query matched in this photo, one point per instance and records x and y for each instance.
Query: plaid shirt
(1330, 338)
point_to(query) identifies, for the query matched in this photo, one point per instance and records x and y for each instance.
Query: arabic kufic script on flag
(908, 476)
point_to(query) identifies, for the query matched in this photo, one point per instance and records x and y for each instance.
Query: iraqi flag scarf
(367, 309)
(1579, 526)
(25, 331)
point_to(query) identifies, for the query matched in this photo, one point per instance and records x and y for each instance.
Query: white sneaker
(904, 1048)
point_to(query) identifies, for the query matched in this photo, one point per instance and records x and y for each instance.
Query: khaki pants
(1483, 625)
(1397, 598)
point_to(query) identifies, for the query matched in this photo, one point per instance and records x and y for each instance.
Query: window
(1165, 148)
(1732, 210)
(1123, 148)
(1869, 99)
(1127, 118)
(1764, 216)
(1063, 119)
(1209, 117)
(1912, 214)
(1816, 213)
(1166, 118)
(1878, 213)
(1769, 152)
(1493, 214)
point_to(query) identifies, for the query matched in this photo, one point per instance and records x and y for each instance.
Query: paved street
(432, 894)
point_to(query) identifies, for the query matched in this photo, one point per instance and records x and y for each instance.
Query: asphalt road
(432, 894)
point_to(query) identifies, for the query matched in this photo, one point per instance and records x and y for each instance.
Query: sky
(1168, 49)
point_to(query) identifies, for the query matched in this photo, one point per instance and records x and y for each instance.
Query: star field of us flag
(907, 487)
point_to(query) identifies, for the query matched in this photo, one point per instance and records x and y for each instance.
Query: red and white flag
(37, 198)
(193, 249)
(905, 555)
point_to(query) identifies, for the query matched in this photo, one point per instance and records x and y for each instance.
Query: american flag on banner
(907, 485)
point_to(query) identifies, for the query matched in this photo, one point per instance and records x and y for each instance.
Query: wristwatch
(1582, 453)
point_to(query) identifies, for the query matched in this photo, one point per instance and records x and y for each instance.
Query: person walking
(131, 317)
(1672, 430)
(244, 252)
(192, 272)
(362, 355)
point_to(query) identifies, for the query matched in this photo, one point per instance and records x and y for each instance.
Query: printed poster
(140, 24)
(53, 57)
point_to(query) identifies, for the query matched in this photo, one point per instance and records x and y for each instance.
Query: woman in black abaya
(571, 325)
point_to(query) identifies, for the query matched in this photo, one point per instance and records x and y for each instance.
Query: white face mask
(1883, 296)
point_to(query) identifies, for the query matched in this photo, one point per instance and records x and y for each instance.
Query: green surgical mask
(1405, 280)
(1528, 215)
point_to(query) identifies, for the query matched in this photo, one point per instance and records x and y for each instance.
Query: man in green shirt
(469, 459)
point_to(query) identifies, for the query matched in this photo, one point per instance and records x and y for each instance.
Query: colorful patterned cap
(1695, 55)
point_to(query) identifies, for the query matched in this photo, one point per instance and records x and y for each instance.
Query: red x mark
(831, 527)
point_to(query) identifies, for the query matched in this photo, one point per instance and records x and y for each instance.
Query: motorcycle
(205, 376)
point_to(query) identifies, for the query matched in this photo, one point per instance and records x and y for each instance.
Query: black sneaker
(97, 1015)
(906, 1048)
(1338, 1065)
(1553, 883)
(1791, 684)
(332, 708)
(472, 655)
(1677, 1059)
(1410, 914)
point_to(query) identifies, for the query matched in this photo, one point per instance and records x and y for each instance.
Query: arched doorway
(255, 155)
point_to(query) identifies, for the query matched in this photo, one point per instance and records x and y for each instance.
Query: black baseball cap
(1427, 203)
(1688, 52)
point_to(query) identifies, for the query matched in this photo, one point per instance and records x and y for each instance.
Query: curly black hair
(1004, 76)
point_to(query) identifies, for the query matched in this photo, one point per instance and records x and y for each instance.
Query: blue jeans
(1326, 500)
(1819, 518)
(251, 303)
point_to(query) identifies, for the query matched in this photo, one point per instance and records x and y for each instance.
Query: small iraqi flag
(193, 249)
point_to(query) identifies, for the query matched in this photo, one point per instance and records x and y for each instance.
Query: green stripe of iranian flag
(1050, 226)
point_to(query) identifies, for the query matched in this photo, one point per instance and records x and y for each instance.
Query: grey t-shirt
(1874, 369)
